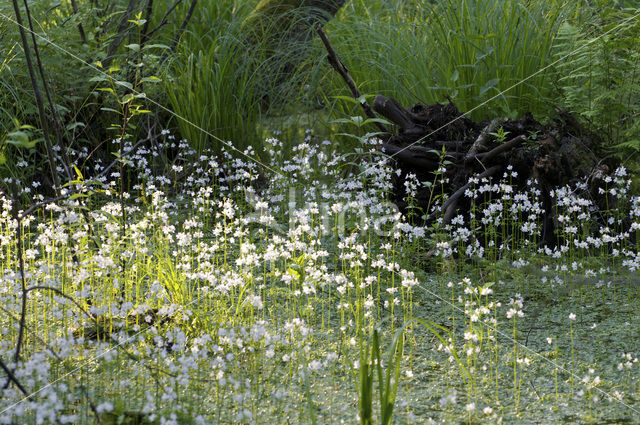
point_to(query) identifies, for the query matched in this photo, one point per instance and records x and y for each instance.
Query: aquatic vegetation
(232, 294)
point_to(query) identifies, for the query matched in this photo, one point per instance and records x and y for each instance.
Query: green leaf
(20, 139)
(78, 195)
(78, 173)
(156, 46)
(107, 89)
(341, 121)
(346, 98)
(454, 77)
(125, 84)
(490, 84)
(379, 120)
(134, 46)
(127, 98)
(150, 79)
(363, 98)
(75, 125)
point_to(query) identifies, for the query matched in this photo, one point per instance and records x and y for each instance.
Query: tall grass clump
(244, 66)
(213, 85)
(465, 50)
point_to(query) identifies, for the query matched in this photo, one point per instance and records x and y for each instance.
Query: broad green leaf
(150, 79)
(490, 84)
(127, 98)
(107, 89)
(125, 84)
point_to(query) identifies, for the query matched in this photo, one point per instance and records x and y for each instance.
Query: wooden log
(406, 156)
(480, 145)
(451, 204)
(394, 112)
(505, 147)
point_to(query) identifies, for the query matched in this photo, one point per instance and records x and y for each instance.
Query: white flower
(572, 316)
(104, 407)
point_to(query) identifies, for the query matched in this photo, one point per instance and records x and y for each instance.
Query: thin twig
(83, 36)
(145, 28)
(37, 94)
(163, 21)
(335, 62)
(12, 378)
(45, 85)
(23, 309)
(185, 22)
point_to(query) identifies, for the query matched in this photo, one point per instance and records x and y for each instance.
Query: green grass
(466, 50)
(214, 86)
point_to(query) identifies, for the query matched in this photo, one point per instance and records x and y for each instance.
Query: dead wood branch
(335, 62)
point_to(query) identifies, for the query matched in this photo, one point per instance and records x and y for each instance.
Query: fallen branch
(507, 146)
(480, 144)
(392, 110)
(451, 205)
(409, 157)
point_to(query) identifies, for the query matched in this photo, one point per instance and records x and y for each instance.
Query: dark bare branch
(344, 73)
(451, 205)
(185, 22)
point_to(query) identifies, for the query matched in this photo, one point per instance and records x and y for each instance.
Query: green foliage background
(489, 57)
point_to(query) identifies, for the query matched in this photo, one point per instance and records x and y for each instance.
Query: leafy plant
(212, 83)
(370, 367)
(599, 73)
